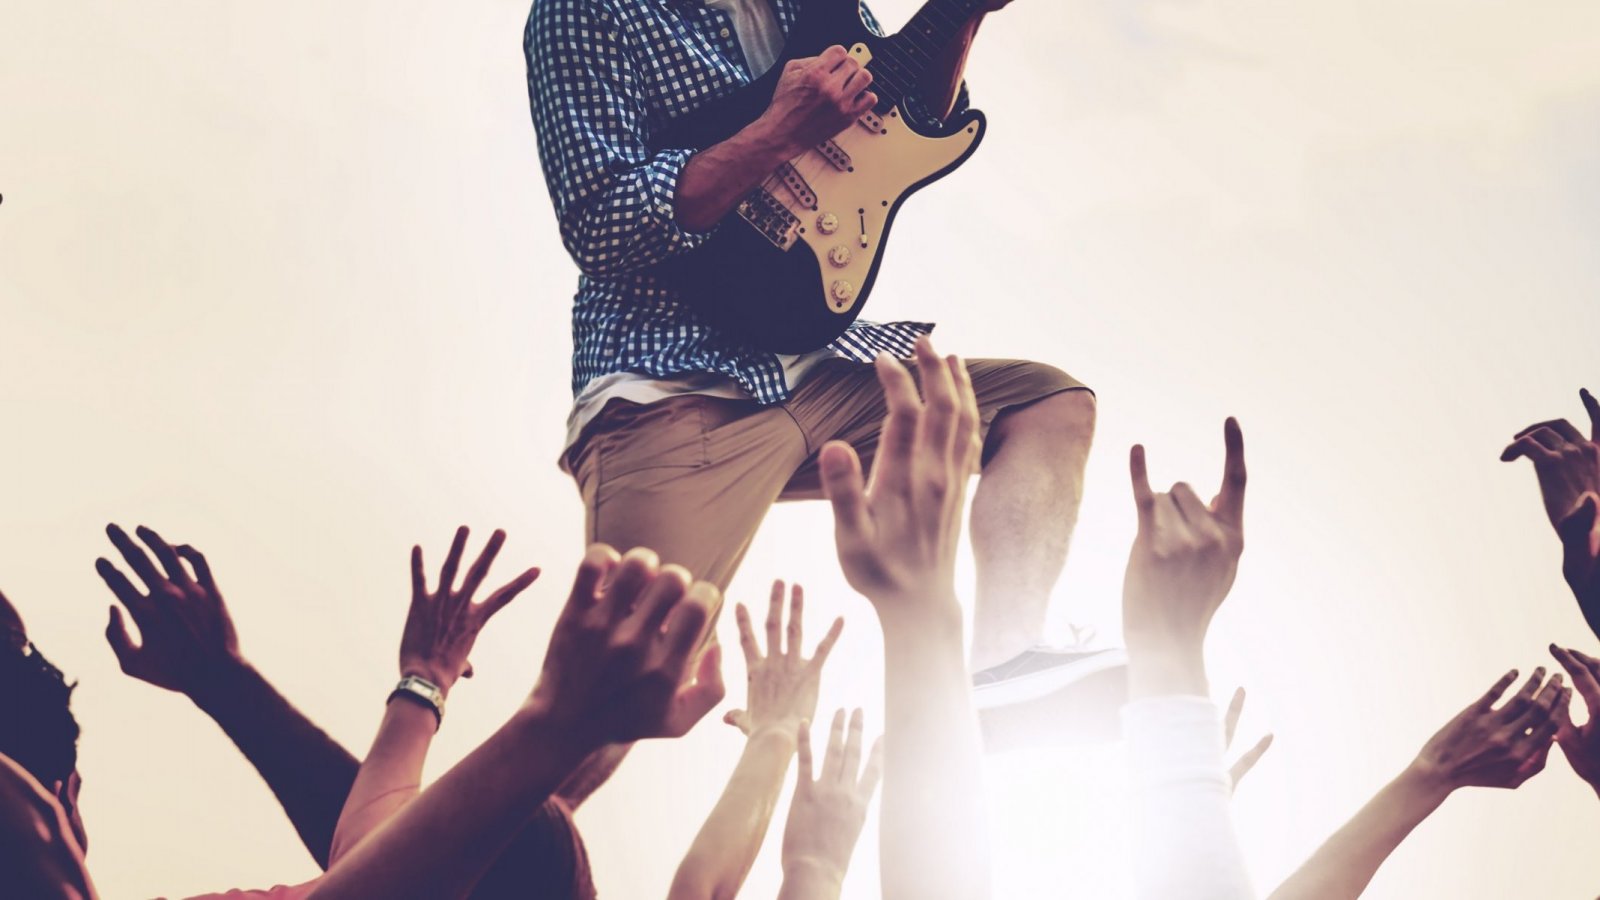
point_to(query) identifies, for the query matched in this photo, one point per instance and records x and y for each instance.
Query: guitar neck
(903, 58)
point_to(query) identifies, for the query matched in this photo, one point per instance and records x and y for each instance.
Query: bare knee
(1064, 419)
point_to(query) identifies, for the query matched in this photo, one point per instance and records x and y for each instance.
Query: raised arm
(783, 695)
(1482, 746)
(827, 812)
(620, 668)
(441, 627)
(897, 540)
(1566, 462)
(1182, 567)
(187, 644)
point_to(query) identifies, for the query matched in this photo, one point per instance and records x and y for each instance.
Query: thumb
(117, 637)
(694, 701)
(739, 719)
(845, 488)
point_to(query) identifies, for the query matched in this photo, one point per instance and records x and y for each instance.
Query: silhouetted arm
(188, 645)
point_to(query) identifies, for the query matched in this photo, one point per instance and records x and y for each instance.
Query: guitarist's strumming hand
(816, 98)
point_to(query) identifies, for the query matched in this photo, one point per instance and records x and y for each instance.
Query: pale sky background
(282, 280)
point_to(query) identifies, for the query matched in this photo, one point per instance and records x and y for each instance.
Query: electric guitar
(790, 268)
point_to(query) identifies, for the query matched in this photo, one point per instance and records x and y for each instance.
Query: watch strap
(423, 692)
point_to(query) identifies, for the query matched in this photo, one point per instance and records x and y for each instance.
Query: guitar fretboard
(899, 62)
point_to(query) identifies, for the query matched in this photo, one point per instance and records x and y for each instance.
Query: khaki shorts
(691, 477)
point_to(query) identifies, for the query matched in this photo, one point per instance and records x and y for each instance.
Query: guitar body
(790, 269)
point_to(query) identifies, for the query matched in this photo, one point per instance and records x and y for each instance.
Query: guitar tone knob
(827, 223)
(842, 291)
(839, 256)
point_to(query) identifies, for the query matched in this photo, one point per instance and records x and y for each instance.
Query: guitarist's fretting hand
(816, 98)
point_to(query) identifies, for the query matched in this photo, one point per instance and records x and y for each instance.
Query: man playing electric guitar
(675, 421)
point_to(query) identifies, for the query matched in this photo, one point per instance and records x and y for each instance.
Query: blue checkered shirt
(603, 77)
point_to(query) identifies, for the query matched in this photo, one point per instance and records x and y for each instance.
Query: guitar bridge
(766, 215)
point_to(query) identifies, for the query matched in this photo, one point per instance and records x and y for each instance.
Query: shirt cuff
(665, 169)
(1174, 738)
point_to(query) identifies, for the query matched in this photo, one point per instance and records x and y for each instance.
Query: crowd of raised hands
(633, 657)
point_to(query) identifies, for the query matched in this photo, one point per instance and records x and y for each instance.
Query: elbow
(594, 254)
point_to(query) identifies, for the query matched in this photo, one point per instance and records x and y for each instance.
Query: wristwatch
(422, 691)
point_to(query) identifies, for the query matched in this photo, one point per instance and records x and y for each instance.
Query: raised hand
(1580, 743)
(783, 683)
(1482, 746)
(620, 658)
(828, 812)
(443, 624)
(1498, 747)
(1230, 724)
(1566, 463)
(1580, 557)
(897, 535)
(1182, 566)
(186, 637)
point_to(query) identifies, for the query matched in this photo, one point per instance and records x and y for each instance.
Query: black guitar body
(738, 281)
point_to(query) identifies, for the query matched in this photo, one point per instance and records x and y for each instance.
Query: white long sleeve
(1185, 847)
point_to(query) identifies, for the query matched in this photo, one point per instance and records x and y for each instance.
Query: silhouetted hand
(1566, 463)
(1230, 722)
(1183, 564)
(1580, 557)
(1499, 747)
(443, 624)
(897, 535)
(1581, 743)
(620, 657)
(783, 683)
(828, 812)
(186, 638)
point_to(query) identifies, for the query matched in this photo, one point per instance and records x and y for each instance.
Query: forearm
(441, 843)
(933, 840)
(715, 179)
(308, 771)
(1183, 821)
(389, 777)
(726, 847)
(811, 882)
(1342, 867)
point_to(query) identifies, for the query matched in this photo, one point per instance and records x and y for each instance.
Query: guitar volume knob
(841, 291)
(827, 223)
(839, 256)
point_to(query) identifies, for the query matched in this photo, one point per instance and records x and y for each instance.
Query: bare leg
(1023, 514)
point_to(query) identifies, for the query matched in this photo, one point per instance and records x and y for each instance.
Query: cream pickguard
(837, 198)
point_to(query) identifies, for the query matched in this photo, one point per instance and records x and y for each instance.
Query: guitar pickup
(835, 155)
(803, 194)
(872, 122)
(770, 217)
